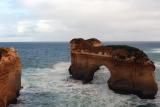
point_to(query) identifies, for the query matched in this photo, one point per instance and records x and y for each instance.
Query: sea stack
(132, 72)
(10, 76)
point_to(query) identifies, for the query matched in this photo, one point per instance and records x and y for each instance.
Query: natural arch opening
(102, 75)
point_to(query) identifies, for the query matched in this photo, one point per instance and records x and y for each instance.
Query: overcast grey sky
(62, 20)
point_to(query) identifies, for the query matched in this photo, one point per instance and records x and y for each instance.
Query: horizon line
(63, 41)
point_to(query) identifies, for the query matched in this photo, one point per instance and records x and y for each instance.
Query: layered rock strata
(132, 72)
(10, 76)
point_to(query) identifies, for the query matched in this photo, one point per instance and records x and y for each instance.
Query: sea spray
(53, 87)
(101, 76)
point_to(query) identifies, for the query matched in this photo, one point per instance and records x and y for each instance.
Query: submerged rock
(10, 76)
(132, 72)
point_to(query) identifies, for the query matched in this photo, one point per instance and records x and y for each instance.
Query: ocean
(47, 83)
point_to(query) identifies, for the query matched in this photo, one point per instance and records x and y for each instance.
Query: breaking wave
(53, 87)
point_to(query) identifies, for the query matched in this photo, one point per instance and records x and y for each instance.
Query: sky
(63, 20)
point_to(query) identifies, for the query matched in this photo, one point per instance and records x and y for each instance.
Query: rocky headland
(132, 72)
(10, 76)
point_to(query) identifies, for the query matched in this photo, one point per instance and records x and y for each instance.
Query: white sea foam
(101, 76)
(155, 50)
(157, 64)
(53, 87)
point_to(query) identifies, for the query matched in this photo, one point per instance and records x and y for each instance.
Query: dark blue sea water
(46, 81)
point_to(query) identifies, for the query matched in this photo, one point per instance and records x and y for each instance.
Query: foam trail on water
(157, 64)
(53, 87)
(155, 50)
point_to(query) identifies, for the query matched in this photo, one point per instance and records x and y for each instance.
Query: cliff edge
(132, 72)
(10, 76)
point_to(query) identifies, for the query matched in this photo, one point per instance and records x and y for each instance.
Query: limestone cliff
(132, 72)
(10, 76)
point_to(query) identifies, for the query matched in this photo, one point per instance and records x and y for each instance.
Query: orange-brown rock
(132, 72)
(10, 76)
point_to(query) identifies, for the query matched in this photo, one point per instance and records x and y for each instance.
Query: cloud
(62, 20)
(43, 26)
(40, 26)
(11, 13)
(107, 19)
(15, 39)
(23, 26)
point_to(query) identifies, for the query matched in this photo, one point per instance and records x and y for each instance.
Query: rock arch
(132, 72)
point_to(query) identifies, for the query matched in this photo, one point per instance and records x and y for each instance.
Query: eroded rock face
(132, 72)
(10, 76)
